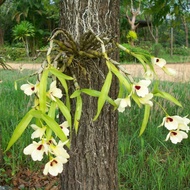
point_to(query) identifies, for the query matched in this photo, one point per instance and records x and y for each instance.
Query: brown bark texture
(93, 153)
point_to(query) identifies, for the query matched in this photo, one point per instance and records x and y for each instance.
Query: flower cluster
(56, 152)
(141, 90)
(47, 145)
(177, 126)
(162, 64)
(53, 92)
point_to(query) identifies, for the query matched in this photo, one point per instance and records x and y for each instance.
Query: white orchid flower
(29, 88)
(58, 150)
(123, 103)
(158, 61)
(176, 136)
(64, 126)
(146, 99)
(169, 71)
(176, 122)
(39, 131)
(141, 88)
(36, 150)
(149, 75)
(54, 92)
(55, 166)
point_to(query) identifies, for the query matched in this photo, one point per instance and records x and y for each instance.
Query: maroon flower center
(157, 60)
(53, 162)
(137, 87)
(169, 119)
(174, 133)
(33, 88)
(40, 147)
(49, 142)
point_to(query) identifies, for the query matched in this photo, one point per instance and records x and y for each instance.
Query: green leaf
(64, 110)
(121, 90)
(78, 113)
(142, 60)
(20, 128)
(145, 119)
(166, 96)
(122, 79)
(54, 126)
(64, 84)
(62, 78)
(96, 93)
(136, 99)
(75, 94)
(52, 109)
(59, 74)
(42, 90)
(103, 94)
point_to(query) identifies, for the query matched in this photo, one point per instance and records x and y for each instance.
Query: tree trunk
(93, 154)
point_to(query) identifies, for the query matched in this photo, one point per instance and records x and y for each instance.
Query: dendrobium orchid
(58, 150)
(169, 71)
(141, 88)
(55, 166)
(146, 100)
(54, 92)
(29, 88)
(64, 126)
(176, 126)
(149, 75)
(161, 63)
(39, 131)
(123, 103)
(36, 150)
(158, 61)
(176, 122)
(176, 136)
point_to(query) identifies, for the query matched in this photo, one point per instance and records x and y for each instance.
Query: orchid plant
(50, 138)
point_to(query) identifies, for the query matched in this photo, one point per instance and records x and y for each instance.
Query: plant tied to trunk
(64, 56)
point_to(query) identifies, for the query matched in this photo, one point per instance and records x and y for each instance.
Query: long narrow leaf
(167, 96)
(42, 90)
(51, 112)
(20, 128)
(121, 78)
(65, 111)
(103, 94)
(59, 74)
(96, 93)
(145, 119)
(54, 126)
(62, 78)
(78, 113)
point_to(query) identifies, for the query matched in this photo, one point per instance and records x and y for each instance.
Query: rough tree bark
(93, 154)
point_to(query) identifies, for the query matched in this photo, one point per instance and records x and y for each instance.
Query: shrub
(13, 53)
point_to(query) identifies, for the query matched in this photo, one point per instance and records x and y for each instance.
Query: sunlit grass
(148, 162)
(14, 104)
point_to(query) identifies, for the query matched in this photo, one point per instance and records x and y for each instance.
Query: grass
(148, 162)
(14, 104)
(144, 163)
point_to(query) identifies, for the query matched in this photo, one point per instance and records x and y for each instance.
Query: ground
(182, 69)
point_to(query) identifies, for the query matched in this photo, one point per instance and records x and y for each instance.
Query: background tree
(93, 154)
(23, 32)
